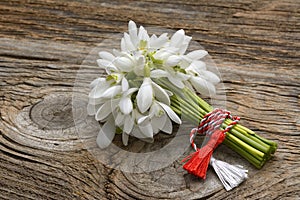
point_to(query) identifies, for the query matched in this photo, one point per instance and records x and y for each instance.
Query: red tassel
(199, 160)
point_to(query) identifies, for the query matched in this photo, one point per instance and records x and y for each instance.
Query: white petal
(156, 124)
(155, 130)
(97, 101)
(125, 138)
(117, 52)
(128, 124)
(159, 42)
(123, 63)
(136, 132)
(145, 95)
(114, 103)
(132, 29)
(160, 94)
(197, 54)
(128, 43)
(158, 73)
(146, 130)
(106, 134)
(189, 86)
(176, 81)
(199, 65)
(123, 46)
(143, 35)
(106, 55)
(169, 92)
(136, 114)
(170, 113)
(154, 110)
(152, 40)
(211, 77)
(164, 53)
(92, 109)
(112, 91)
(104, 111)
(139, 67)
(177, 38)
(129, 92)
(202, 86)
(142, 119)
(159, 122)
(125, 105)
(167, 126)
(97, 81)
(185, 62)
(119, 121)
(98, 90)
(105, 64)
(196, 67)
(182, 76)
(125, 84)
(185, 44)
(172, 61)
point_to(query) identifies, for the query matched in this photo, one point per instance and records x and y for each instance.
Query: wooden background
(43, 43)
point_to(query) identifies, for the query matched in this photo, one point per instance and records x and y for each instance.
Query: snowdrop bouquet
(152, 82)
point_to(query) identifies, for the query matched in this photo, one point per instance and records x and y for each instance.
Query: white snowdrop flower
(158, 42)
(160, 94)
(145, 95)
(147, 92)
(138, 39)
(175, 77)
(99, 86)
(132, 30)
(106, 56)
(125, 104)
(203, 86)
(124, 64)
(107, 133)
(196, 55)
(142, 128)
(172, 61)
(198, 68)
(177, 39)
(143, 38)
(161, 118)
(180, 41)
(107, 65)
(106, 109)
(193, 57)
(165, 53)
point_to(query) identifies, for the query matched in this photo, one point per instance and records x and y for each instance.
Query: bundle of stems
(187, 104)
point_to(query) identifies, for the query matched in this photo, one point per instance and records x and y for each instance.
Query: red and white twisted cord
(230, 175)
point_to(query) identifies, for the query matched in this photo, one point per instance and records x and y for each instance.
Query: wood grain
(43, 45)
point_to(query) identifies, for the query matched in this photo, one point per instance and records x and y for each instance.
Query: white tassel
(230, 175)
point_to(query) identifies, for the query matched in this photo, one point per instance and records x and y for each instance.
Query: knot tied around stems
(197, 162)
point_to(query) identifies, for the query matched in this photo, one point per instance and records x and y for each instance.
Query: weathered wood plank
(43, 44)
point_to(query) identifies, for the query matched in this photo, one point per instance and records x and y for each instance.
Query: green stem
(246, 138)
(254, 148)
(243, 153)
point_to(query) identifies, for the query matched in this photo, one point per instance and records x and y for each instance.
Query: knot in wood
(52, 113)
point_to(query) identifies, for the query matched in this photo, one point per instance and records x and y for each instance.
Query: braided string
(230, 175)
(211, 122)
